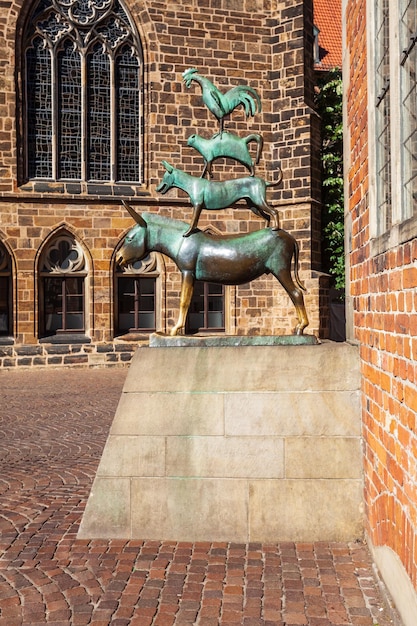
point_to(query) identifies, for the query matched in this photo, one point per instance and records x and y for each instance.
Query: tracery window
(63, 269)
(136, 292)
(82, 92)
(5, 292)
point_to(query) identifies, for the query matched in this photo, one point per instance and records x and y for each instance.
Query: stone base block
(248, 443)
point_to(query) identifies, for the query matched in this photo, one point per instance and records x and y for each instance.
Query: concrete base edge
(398, 585)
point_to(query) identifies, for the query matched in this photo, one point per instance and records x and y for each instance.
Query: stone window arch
(82, 78)
(138, 296)
(63, 269)
(6, 293)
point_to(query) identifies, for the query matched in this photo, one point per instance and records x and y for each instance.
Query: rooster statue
(222, 104)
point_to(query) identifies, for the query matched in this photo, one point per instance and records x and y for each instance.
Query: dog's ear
(167, 166)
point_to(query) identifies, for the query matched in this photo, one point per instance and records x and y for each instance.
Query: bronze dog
(213, 195)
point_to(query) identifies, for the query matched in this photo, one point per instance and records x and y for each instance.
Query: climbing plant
(329, 105)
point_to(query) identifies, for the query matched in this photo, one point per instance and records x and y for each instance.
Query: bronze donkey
(223, 259)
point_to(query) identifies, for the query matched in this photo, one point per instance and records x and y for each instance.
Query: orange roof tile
(328, 19)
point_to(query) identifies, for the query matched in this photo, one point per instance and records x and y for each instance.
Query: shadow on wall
(337, 317)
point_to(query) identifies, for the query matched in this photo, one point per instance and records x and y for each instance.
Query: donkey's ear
(167, 166)
(136, 216)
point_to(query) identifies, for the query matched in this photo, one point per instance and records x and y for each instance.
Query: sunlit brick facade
(381, 235)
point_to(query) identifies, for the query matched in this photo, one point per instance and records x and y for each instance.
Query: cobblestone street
(53, 426)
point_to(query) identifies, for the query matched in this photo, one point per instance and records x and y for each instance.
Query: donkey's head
(134, 245)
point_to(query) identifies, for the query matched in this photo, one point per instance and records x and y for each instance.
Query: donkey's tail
(296, 275)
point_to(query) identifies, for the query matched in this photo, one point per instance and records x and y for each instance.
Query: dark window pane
(127, 79)
(69, 72)
(53, 304)
(207, 308)
(99, 122)
(136, 304)
(63, 304)
(4, 304)
(39, 111)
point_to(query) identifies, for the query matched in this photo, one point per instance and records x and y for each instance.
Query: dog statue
(216, 195)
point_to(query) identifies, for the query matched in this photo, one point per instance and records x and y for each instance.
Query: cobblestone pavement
(53, 426)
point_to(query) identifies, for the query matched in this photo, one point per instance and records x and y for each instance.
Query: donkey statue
(222, 259)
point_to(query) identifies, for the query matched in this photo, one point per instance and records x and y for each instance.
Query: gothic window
(5, 292)
(82, 92)
(63, 270)
(206, 312)
(136, 297)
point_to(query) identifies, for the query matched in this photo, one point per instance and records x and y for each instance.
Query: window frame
(400, 225)
(6, 272)
(205, 329)
(149, 267)
(74, 266)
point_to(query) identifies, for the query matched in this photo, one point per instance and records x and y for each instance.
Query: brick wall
(384, 299)
(231, 41)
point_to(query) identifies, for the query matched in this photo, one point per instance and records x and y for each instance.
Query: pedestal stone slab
(233, 443)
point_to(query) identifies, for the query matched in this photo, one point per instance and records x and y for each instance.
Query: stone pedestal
(248, 443)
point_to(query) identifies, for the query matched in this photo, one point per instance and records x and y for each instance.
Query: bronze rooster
(222, 104)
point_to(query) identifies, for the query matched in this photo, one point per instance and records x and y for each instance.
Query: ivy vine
(329, 100)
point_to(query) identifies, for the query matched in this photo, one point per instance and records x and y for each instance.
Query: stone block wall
(247, 443)
(267, 45)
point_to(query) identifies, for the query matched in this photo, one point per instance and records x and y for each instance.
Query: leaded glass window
(408, 85)
(62, 287)
(82, 92)
(383, 114)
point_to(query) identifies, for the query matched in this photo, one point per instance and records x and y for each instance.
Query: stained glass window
(83, 92)
(99, 118)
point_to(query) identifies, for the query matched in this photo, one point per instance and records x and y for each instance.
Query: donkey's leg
(194, 221)
(296, 295)
(187, 288)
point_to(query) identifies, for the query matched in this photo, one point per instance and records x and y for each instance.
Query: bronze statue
(222, 104)
(223, 259)
(216, 195)
(227, 145)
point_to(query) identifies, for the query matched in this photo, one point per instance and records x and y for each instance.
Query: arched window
(62, 300)
(82, 77)
(6, 297)
(136, 297)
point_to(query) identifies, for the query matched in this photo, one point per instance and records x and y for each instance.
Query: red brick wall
(231, 42)
(384, 298)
